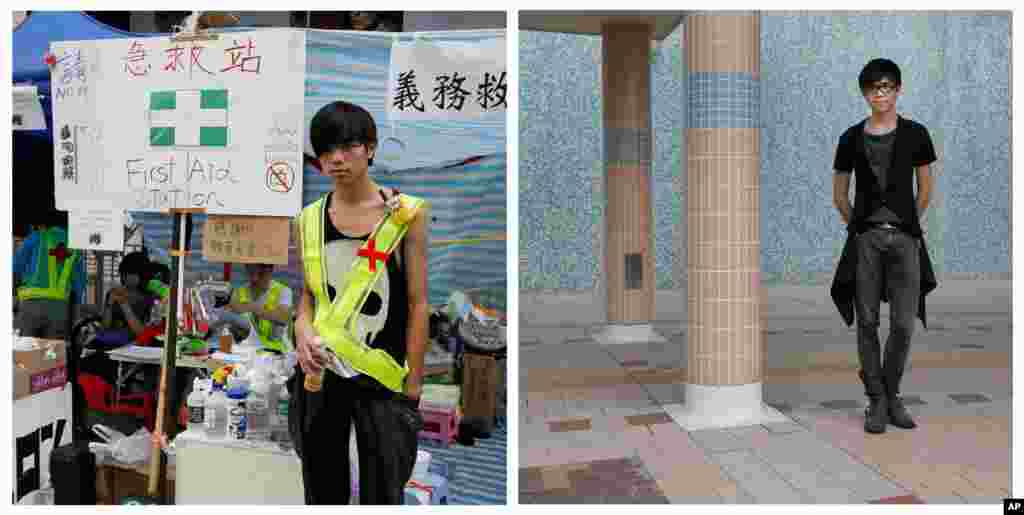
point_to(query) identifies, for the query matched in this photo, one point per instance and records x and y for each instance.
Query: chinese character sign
(445, 80)
(156, 123)
(246, 239)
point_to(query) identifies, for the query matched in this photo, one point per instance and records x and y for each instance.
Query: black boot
(876, 416)
(898, 414)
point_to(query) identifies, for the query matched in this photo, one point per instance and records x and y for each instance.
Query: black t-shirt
(384, 320)
(878, 148)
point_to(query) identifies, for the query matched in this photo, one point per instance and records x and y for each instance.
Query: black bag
(73, 474)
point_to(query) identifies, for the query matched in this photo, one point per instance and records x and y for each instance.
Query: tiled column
(724, 340)
(629, 245)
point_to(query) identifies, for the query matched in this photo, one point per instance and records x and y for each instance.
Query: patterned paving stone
(967, 398)
(569, 425)
(784, 427)
(758, 478)
(903, 499)
(843, 404)
(913, 400)
(649, 419)
(716, 440)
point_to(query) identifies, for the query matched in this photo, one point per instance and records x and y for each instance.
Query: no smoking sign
(280, 177)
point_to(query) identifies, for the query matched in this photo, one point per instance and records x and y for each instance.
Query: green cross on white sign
(188, 118)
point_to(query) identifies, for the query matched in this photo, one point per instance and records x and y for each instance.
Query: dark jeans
(886, 259)
(387, 427)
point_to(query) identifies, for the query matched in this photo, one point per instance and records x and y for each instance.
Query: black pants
(386, 427)
(886, 259)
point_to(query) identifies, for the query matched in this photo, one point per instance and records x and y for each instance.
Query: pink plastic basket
(439, 423)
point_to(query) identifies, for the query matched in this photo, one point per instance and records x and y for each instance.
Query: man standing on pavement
(884, 259)
(362, 317)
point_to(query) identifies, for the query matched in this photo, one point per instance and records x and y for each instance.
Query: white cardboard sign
(26, 111)
(96, 229)
(42, 423)
(150, 124)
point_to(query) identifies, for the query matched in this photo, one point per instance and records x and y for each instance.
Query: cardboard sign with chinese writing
(430, 80)
(151, 123)
(246, 239)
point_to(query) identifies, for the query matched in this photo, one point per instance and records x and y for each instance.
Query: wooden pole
(166, 401)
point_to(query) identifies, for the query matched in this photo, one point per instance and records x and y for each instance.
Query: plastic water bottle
(280, 430)
(237, 421)
(257, 412)
(197, 406)
(216, 418)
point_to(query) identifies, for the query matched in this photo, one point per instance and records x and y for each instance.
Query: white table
(236, 472)
(137, 357)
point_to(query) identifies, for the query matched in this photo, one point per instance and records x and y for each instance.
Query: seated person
(268, 305)
(125, 311)
(128, 307)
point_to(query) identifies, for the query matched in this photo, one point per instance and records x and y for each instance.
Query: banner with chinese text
(447, 80)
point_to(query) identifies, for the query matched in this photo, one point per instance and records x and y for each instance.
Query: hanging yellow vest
(334, 321)
(265, 328)
(56, 286)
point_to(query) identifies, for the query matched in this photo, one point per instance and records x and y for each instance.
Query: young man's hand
(119, 295)
(413, 389)
(309, 349)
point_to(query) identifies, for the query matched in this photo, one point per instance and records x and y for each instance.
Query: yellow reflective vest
(265, 328)
(48, 281)
(334, 321)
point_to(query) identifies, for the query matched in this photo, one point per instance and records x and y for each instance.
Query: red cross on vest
(61, 253)
(371, 253)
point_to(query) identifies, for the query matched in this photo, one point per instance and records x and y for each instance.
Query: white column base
(633, 333)
(717, 407)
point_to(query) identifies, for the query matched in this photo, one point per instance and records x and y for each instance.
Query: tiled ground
(593, 426)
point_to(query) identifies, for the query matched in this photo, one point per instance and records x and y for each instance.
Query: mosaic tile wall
(956, 78)
(561, 143)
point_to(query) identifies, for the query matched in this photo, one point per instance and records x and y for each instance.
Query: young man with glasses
(884, 259)
(362, 322)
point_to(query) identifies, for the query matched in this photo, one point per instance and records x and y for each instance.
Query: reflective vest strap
(389, 234)
(312, 230)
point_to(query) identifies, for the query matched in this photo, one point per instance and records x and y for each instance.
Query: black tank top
(386, 311)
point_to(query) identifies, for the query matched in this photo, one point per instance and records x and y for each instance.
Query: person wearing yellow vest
(267, 302)
(47, 274)
(362, 322)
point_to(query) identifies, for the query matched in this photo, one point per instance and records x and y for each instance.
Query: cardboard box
(116, 481)
(39, 365)
(479, 388)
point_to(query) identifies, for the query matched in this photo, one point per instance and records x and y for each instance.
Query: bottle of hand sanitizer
(196, 406)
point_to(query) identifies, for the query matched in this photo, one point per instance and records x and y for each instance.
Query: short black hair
(878, 69)
(341, 123)
(135, 263)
